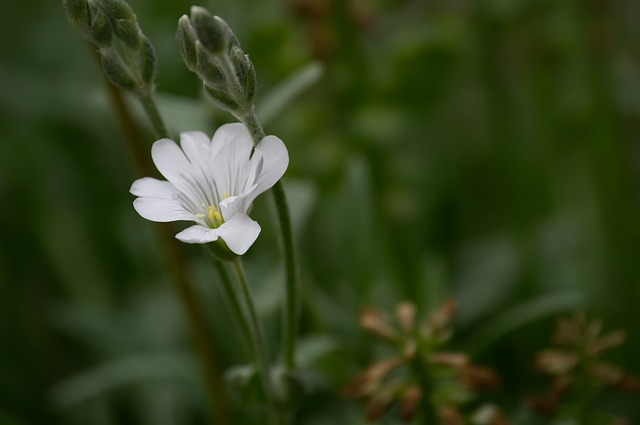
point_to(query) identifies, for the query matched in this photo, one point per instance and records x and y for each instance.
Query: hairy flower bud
(99, 31)
(222, 99)
(77, 12)
(186, 37)
(118, 72)
(207, 68)
(117, 9)
(148, 65)
(212, 31)
(129, 32)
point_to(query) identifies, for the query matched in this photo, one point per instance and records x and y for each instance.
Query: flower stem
(292, 297)
(232, 296)
(152, 112)
(259, 345)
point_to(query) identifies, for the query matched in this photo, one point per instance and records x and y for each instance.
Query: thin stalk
(151, 109)
(429, 415)
(216, 393)
(259, 343)
(291, 285)
(231, 295)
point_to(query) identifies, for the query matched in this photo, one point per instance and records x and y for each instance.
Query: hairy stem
(291, 286)
(151, 109)
(259, 344)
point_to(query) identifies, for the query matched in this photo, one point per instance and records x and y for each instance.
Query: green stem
(421, 368)
(152, 112)
(232, 296)
(292, 298)
(258, 341)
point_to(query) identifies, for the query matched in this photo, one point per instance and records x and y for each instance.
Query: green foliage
(483, 150)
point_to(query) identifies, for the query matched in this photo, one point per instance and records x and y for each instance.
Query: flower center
(212, 218)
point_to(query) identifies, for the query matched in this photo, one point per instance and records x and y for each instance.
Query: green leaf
(284, 93)
(522, 314)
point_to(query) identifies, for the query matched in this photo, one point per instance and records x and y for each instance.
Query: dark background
(485, 150)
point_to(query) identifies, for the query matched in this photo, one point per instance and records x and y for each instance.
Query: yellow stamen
(214, 214)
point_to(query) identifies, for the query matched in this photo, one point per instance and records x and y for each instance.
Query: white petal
(239, 233)
(195, 145)
(235, 133)
(174, 166)
(198, 234)
(275, 160)
(153, 188)
(234, 205)
(230, 164)
(170, 160)
(161, 210)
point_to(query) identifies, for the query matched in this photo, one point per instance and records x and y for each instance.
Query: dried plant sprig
(416, 378)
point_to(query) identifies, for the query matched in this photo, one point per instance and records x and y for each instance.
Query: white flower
(212, 182)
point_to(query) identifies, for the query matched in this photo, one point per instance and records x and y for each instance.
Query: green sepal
(223, 100)
(99, 30)
(251, 82)
(239, 63)
(148, 63)
(78, 13)
(129, 32)
(118, 72)
(186, 37)
(117, 9)
(207, 69)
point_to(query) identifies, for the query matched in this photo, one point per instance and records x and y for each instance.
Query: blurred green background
(485, 150)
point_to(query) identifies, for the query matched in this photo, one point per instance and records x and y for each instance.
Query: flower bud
(250, 83)
(186, 37)
(99, 31)
(406, 315)
(207, 69)
(409, 403)
(78, 13)
(117, 9)
(222, 99)
(211, 31)
(129, 32)
(245, 73)
(117, 72)
(147, 62)
(375, 322)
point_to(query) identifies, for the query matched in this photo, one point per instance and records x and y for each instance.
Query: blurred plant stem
(217, 396)
(292, 297)
(232, 296)
(258, 343)
(152, 112)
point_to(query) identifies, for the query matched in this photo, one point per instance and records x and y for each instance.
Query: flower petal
(153, 188)
(239, 233)
(161, 210)
(170, 160)
(198, 234)
(175, 167)
(275, 160)
(232, 134)
(229, 159)
(195, 145)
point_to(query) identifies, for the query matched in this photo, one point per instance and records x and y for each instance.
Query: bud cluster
(452, 377)
(127, 56)
(211, 50)
(575, 362)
